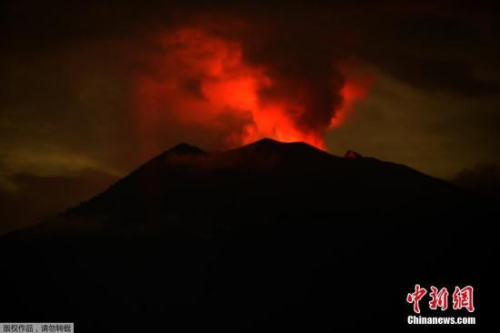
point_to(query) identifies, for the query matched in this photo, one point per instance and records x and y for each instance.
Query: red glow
(199, 79)
(355, 89)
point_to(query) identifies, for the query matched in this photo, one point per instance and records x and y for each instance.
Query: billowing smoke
(234, 81)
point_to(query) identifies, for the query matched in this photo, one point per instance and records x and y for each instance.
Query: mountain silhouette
(267, 237)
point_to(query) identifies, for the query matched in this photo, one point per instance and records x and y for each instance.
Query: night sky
(90, 90)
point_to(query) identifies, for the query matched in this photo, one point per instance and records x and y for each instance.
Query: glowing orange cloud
(355, 89)
(200, 79)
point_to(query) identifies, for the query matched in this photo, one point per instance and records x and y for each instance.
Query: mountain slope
(269, 236)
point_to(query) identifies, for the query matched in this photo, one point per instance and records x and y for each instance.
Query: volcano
(268, 237)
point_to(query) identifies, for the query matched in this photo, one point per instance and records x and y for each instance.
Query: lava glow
(200, 79)
(354, 90)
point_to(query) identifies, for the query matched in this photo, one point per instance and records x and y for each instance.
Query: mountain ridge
(186, 175)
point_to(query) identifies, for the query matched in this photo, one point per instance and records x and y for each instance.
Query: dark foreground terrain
(268, 237)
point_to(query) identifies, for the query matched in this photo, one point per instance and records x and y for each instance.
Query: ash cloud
(436, 47)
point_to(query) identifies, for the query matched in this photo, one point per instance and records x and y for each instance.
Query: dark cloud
(303, 64)
(38, 197)
(427, 43)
